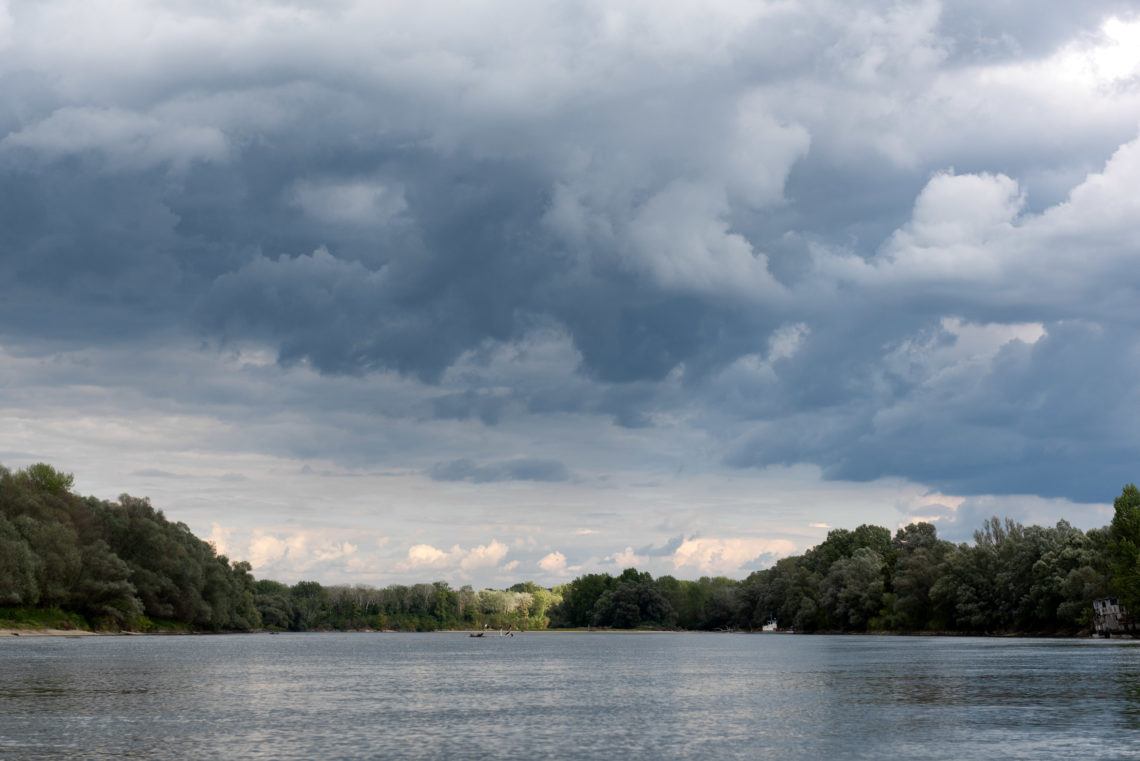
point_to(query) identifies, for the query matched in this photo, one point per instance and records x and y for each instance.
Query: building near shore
(1110, 617)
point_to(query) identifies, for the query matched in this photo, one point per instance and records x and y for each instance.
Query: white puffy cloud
(335, 551)
(970, 229)
(220, 537)
(961, 209)
(267, 550)
(958, 348)
(293, 554)
(761, 152)
(553, 563)
(480, 557)
(728, 557)
(420, 555)
(681, 236)
(627, 558)
(485, 555)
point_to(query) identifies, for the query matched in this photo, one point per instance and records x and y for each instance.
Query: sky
(389, 292)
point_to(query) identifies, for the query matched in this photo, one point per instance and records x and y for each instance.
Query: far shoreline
(36, 633)
(53, 633)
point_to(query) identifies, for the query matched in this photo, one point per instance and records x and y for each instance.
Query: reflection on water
(567, 696)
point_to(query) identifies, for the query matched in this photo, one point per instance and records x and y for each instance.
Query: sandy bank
(50, 633)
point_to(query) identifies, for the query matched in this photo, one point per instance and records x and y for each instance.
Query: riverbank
(54, 633)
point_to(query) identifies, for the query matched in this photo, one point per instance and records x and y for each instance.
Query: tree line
(117, 564)
(124, 565)
(309, 606)
(1013, 578)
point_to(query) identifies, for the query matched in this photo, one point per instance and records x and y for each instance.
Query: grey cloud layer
(764, 220)
(524, 469)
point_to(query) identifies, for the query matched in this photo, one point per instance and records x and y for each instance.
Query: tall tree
(1124, 547)
(18, 584)
(581, 595)
(852, 591)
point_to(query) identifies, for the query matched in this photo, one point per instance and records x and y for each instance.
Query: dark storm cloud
(737, 218)
(665, 550)
(469, 404)
(468, 264)
(1042, 419)
(86, 255)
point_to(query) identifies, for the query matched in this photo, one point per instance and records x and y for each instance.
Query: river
(572, 696)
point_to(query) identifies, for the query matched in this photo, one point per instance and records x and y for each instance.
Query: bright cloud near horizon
(381, 292)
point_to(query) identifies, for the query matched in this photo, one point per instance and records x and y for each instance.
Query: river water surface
(567, 696)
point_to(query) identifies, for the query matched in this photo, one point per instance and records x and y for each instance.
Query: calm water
(567, 696)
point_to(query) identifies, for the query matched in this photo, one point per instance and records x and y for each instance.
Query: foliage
(1124, 546)
(46, 478)
(41, 618)
(79, 562)
(580, 597)
(116, 564)
(632, 602)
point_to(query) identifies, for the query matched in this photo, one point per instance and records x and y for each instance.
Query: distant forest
(83, 562)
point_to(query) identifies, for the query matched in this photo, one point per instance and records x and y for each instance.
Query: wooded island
(80, 562)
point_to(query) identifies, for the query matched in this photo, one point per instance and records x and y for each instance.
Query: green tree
(46, 478)
(635, 601)
(580, 596)
(102, 592)
(309, 599)
(916, 556)
(852, 591)
(916, 573)
(465, 600)
(788, 592)
(55, 546)
(18, 584)
(542, 600)
(720, 603)
(841, 543)
(687, 599)
(1124, 547)
(1069, 575)
(989, 586)
(274, 603)
(444, 604)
